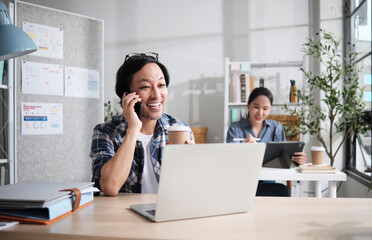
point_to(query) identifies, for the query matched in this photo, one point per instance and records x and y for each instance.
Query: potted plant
(341, 105)
(109, 110)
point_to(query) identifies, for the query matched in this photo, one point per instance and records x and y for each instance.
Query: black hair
(258, 92)
(125, 73)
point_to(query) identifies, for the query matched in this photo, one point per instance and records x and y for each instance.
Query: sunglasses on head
(148, 55)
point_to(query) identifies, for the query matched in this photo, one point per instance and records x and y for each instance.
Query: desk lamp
(13, 41)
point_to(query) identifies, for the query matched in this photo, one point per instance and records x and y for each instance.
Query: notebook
(204, 180)
(41, 202)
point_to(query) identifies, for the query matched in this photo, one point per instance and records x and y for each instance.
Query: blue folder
(41, 200)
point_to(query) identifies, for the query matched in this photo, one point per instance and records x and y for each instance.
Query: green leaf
(342, 104)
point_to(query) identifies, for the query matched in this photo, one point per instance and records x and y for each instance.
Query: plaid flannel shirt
(107, 138)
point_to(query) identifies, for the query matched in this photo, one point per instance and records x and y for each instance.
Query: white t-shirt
(149, 182)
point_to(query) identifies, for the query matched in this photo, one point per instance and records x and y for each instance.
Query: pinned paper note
(81, 82)
(235, 65)
(41, 118)
(42, 78)
(49, 40)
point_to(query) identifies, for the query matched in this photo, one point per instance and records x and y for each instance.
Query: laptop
(204, 180)
(279, 154)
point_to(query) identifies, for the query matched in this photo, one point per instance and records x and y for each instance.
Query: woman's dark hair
(126, 71)
(258, 92)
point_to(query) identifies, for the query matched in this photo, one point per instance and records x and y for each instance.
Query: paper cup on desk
(178, 134)
(317, 155)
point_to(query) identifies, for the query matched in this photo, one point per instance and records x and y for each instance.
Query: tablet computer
(279, 154)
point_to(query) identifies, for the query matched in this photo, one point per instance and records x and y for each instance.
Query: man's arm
(115, 172)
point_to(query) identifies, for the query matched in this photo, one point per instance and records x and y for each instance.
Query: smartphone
(137, 108)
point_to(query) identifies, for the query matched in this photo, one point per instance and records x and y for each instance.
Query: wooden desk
(271, 218)
(294, 174)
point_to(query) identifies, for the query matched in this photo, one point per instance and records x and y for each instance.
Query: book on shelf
(316, 169)
(255, 82)
(235, 88)
(235, 66)
(243, 113)
(251, 84)
(246, 87)
(243, 88)
(237, 114)
(234, 115)
(245, 66)
(43, 202)
(240, 85)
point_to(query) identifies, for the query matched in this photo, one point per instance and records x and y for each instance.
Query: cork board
(60, 157)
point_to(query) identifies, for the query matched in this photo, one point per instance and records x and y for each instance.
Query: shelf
(3, 161)
(272, 64)
(278, 64)
(240, 71)
(237, 104)
(249, 68)
(2, 86)
(274, 105)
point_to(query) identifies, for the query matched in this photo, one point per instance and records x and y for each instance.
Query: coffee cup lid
(180, 128)
(317, 148)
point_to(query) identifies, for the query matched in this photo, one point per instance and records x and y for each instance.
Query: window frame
(351, 150)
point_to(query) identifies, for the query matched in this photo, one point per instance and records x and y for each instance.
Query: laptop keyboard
(151, 211)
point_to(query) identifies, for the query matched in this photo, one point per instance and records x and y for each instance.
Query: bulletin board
(61, 156)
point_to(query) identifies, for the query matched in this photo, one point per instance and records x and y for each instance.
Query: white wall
(188, 35)
(193, 37)
(269, 31)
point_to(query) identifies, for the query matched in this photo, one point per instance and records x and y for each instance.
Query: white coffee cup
(178, 134)
(317, 155)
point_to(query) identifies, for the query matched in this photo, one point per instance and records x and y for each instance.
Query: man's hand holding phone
(132, 109)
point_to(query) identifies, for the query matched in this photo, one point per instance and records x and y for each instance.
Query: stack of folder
(43, 202)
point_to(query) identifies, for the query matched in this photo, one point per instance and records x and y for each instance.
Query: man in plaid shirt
(126, 151)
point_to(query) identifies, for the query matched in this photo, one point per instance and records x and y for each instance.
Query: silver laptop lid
(208, 179)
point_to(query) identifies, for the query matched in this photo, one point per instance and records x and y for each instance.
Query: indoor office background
(194, 37)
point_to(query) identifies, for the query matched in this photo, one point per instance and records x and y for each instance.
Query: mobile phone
(137, 108)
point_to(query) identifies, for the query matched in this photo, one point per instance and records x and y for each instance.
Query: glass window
(363, 153)
(354, 4)
(358, 32)
(361, 29)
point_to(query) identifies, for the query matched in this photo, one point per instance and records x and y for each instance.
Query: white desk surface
(271, 218)
(294, 174)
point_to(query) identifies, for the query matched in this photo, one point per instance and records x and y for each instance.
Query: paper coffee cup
(178, 134)
(317, 155)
